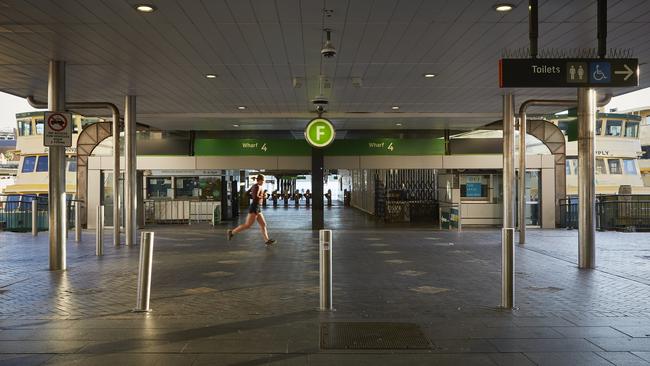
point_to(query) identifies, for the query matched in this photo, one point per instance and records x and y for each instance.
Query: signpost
(568, 73)
(58, 129)
(319, 132)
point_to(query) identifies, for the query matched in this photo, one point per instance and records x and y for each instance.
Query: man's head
(260, 179)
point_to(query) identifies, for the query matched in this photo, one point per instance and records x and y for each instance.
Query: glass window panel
(41, 166)
(210, 188)
(72, 164)
(575, 166)
(599, 127)
(614, 127)
(25, 128)
(631, 129)
(187, 186)
(563, 126)
(29, 162)
(630, 166)
(614, 166)
(567, 163)
(601, 168)
(159, 187)
(474, 186)
(39, 126)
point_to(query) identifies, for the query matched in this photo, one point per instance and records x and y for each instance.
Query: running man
(254, 213)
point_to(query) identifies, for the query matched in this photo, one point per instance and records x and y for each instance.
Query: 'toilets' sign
(568, 73)
(58, 129)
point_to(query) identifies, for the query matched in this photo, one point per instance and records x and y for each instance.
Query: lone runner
(254, 213)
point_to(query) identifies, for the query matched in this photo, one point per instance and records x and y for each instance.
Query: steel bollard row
(144, 272)
(325, 239)
(99, 231)
(507, 268)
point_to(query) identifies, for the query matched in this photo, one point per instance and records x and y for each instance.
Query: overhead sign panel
(568, 73)
(58, 129)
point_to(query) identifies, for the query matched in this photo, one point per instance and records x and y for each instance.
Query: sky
(10, 105)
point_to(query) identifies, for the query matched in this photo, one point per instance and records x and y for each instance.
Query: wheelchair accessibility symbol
(600, 72)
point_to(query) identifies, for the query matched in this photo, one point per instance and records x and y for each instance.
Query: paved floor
(238, 303)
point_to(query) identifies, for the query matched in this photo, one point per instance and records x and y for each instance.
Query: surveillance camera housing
(328, 50)
(320, 109)
(320, 100)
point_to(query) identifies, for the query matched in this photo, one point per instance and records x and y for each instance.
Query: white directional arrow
(627, 71)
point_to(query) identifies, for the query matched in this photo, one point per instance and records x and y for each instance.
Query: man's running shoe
(270, 241)
(229, 234)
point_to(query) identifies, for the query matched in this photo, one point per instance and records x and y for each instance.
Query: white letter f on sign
(319, 132)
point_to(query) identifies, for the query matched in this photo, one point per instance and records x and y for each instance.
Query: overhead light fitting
(504, 7)
(429, 76)
(395, 108)
(235, 125)
(211, 76)
(328, 50)
(398, 124)
(241, 107)
(145, 8)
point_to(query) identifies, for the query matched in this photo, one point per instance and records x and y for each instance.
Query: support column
(56, 172)
(586, 178)
(507, 239)
(116, 180)
(130, 184)
(521, 192)
(317, 172)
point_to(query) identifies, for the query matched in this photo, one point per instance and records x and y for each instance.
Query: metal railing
(613, 212)
(16, 213)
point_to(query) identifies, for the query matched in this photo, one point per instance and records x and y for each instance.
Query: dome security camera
(328, 49)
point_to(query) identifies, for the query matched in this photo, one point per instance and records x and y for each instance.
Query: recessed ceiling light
(145, 8)
(398, 124)
(503, 7)
(241, 107)
(429, 76)
(211, 76)
(235, 125)
(394, 108)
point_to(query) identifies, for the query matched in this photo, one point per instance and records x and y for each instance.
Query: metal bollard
(507, 268)
(99, 231)
(325, 239)
(144, 272)
(35, 217)
(77, 221)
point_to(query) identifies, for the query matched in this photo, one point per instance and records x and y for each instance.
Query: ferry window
(159, 187)
(631, 129)
(601, 168)
(41, 166)
(614, 166)
(25, 128)
(575, 166)
(39, 126)
(568, 166)
(474, 187)
(630, 166)
(28, 164)
(72, 164)
(187, 187)
(614, 127)
(599, 127)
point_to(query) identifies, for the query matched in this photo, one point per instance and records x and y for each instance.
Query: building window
(599, 127)
(601, 168)
(614, 127)
(25, 128)
(474, 187)
(614, 166)
(631, 129)
(630, 166)
(72, 164)
(41, 166)
(29, 162)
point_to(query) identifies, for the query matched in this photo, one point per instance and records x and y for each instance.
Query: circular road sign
(57, 122)
(319, 132)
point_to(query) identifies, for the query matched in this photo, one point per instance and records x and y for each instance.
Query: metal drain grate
(372, 336)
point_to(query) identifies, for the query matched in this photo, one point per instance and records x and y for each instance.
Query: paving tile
(567, 359)
(544, 345)
(111, 359)
(23, 359)
(623, 358)
(637, 332)
(40, 346)
(622, 344)
(588, 332)
(510, 359)
(328, 359)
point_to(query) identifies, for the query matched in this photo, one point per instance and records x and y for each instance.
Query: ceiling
(257, 47)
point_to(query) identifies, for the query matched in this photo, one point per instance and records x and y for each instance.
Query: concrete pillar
(586, 178)
(56, 172)
(130, 183)
(521, 192)
(507, 238)
(116, 180)
(317, 175)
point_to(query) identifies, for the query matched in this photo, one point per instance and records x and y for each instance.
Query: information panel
(568, 73)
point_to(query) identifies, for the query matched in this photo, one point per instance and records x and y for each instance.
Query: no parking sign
(58, 129)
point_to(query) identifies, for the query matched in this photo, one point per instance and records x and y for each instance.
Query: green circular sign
(319, 132)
